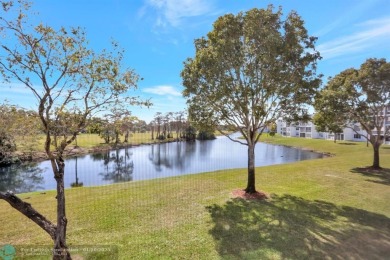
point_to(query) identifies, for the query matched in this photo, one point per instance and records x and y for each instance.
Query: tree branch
(27, 210)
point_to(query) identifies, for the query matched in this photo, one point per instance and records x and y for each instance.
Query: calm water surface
(147, 162)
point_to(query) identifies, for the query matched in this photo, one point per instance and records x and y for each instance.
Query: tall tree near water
(66, 78)
(360, 96)
(251, 69)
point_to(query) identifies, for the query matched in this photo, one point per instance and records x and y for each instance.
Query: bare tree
(70, 83)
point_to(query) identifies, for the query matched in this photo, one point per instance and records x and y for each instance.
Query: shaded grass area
(319, 209)
(290, 227)
(381, 176)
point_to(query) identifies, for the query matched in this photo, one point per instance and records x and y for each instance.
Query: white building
(347, 135)
(308, 130)
(298, 129)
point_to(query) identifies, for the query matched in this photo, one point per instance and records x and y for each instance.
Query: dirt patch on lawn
(250, 196)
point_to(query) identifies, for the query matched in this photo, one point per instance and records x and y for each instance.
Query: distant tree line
(17, 123)
(20, 125)
(175, 125)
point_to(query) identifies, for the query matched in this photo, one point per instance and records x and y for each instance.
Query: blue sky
(158, 36)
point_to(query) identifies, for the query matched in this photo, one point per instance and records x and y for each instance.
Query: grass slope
(319, 209)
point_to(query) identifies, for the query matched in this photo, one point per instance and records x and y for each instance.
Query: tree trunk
(251, 169)
(117, 141)
(376, 164)
(126, 137)
(60, 247)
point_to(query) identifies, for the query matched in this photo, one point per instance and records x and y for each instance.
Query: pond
(147, 162)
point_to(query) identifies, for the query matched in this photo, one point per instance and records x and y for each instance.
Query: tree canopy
(328, 120)
(360, 96)
(251, 69)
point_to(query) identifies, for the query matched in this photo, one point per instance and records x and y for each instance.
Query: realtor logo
(7, 252)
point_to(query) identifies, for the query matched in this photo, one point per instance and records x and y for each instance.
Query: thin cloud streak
(162, 91)
(172, 12)
(377, 33)
(354, 11)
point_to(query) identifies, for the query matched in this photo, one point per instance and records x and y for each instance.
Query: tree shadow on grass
(289, 227)
(347, 143)
(381, 176)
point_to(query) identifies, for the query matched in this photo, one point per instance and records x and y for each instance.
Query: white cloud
(369, 34)
(162, 91)
(172, 12)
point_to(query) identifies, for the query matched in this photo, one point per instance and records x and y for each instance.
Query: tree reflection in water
(147, 162)
(162, 157)
(118, 167)
(20, 178)
(76, 183)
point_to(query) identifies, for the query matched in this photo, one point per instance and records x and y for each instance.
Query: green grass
(319, 209)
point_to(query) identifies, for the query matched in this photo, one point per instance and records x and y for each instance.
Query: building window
(357, 136)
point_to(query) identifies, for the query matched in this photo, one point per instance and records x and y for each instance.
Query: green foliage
(7, 135)
(161, 137)
(250, 70)
(16, 124)
(108, 133)
(205, 135)
(190, 133)
(327, 120)
(95, 125)
(7, 146)
(358, 96)
(272, 129)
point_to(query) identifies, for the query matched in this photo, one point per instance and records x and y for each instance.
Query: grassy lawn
(319, 209)
(93, 140)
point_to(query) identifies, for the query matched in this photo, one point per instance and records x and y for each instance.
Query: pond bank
(73, 151)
